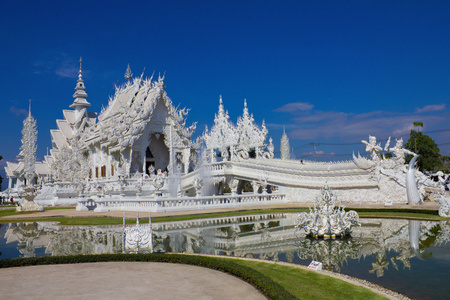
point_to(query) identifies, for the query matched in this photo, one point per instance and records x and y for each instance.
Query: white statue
(373, 148)
(400, 152)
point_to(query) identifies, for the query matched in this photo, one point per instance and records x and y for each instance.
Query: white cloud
(18, 111)
(295, 106)
(431, 108)
(67, 71)
(349, 127)
(60, 64)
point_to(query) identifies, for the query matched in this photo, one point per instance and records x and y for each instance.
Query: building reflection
(389, 243)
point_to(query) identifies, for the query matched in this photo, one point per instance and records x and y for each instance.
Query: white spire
(128, 75)
(80, 95)
(221, 110)
(27, 153)
(285, 148)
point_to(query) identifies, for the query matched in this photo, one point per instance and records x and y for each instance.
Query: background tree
(430, 156)
(417, 126)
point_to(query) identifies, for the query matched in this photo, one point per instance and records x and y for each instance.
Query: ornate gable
(223, 133)
(250, 136)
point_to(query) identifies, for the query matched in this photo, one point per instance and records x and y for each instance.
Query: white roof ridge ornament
(128, 74)
(80, 95)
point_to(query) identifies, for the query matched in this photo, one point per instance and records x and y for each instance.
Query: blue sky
(331, 72)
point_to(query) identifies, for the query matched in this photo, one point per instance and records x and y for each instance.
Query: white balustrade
(160, 204)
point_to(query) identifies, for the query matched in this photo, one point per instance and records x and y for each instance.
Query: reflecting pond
(409, 256)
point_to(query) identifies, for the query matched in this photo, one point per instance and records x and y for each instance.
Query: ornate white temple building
(138, 154)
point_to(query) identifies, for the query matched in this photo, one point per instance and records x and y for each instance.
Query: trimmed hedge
(264, 284)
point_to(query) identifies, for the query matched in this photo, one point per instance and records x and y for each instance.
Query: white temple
(138, 154)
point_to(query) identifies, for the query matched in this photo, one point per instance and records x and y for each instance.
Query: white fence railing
(182, 203)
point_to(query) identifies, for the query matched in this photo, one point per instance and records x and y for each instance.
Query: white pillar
(186, 157)
(171, 156)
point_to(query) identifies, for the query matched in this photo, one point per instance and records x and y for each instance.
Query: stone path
(122, 280)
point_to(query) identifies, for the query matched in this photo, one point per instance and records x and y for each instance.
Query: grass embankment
(363, 212)
(273, 280)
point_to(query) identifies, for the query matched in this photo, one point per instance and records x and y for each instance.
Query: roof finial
(80, 72)
(80, 95)
(128, 75)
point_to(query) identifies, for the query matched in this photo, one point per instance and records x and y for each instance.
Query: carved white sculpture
(400, 152)
(138, 238)
(70, 165)
(223, 135)
(443, 198)
(198, 185)
(236, 143)
(27, 156)
(285, 147)
(27, 153)
(327, 221)
(411, 185)
(250, 136)
(373, 148)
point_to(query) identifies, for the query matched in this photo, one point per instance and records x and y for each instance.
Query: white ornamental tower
(27, 153)
(285, 148)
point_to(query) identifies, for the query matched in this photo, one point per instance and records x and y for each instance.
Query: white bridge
(291, 173)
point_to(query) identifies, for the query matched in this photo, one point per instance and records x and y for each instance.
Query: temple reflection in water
(391, 243)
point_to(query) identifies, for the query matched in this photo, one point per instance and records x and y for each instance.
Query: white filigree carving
(327, 221)
(27, 153)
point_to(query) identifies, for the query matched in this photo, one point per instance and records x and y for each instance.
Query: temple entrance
(149, 161)
(157, 153)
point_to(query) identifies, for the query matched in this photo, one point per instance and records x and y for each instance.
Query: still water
(410, 257)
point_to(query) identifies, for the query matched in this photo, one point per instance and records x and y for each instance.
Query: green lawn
(305, 284)
(365, 213)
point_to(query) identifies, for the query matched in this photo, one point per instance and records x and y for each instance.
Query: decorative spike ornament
(285, 148)
(128, 75)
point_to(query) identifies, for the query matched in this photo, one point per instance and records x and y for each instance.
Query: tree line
(430, 158)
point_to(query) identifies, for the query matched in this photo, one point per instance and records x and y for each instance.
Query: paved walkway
(122, 280)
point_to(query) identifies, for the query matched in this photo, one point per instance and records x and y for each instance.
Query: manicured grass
(305, 284)
(363, 212)
(399, 215)
(8, 212)
(273, 280)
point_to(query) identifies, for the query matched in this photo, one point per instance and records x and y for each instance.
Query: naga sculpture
(411, 187)
(327, 221)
